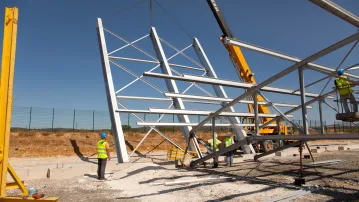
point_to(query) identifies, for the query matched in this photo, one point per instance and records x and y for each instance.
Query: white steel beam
(236, 42)
(220, 99)
(172, 87)
(133, 59)
(117, 132)
(212, 81)
(194, 124)
(281, 74)
(163, 99)
(335, 9)
(202, 112)
(220, 92)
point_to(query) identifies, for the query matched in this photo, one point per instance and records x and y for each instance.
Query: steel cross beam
(335, 9)
(295, 66)
(236, 42)
(117, 132)
(220, 92)
(172, 87)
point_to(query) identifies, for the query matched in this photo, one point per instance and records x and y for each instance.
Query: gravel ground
(255, 181)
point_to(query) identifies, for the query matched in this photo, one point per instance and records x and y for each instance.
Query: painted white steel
(194, 124)
(202, 112)
(117, 132)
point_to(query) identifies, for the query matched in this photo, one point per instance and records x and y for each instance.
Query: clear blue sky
(58, 62)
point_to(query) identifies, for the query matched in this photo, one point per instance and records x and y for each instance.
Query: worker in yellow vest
(228, 141)
(345, 91)
(103, 154)
(216, 144)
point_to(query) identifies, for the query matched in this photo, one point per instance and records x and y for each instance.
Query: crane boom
(238, 59)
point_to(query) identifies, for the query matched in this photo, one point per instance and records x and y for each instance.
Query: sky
(58, 61)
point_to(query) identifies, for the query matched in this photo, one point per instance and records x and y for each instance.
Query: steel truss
(163, 62)
(208, 76)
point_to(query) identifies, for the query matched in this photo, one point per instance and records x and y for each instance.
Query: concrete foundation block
(344, 147)
(280, 153)
(317, 151)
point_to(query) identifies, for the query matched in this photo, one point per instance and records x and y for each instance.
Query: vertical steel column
(256, 117)
(302, 99)
(214, 134)
(172, 87)
(111, 97)
(220, 92)
(321, 116)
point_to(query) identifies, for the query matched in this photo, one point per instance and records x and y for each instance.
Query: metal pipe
(214, 134)
(302, 99)
(256, 117)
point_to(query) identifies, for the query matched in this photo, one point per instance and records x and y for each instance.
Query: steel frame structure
(209, 76)
(300, 65)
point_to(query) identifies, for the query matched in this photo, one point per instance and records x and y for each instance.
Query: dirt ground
(255, 181)
(34, 143)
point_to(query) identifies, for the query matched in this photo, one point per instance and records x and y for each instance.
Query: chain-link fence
(52, 119)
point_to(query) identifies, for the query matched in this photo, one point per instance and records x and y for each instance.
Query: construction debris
(200, 180)
(295, 194)
(329, 162)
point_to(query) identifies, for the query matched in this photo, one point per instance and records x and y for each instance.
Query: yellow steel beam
(6, 86)
(12, 185)
(17, 180)
(19, 199)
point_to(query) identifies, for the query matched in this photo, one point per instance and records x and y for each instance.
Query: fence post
(128, 120)
(93, 120)
(334, 127)
(144, 118)
(30, 118)
(53, 118)
(73, 122)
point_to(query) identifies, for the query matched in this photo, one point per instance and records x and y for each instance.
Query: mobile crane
(242, 68)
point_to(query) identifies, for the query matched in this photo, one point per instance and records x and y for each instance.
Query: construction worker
(103, 154)
(345, 91)
(216, 144)
(229, 155)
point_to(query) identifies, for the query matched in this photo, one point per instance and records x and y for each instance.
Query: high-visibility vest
(343, 85)
(101, 149)
(228, 141)
(217, 143)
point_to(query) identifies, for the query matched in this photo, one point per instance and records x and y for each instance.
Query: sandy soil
(46, 144)
(255, 181)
